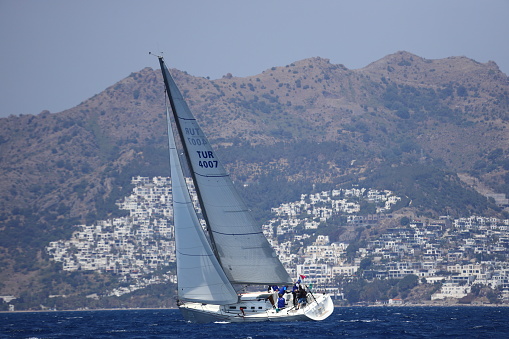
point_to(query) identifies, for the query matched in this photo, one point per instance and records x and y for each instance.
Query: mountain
(434, 131)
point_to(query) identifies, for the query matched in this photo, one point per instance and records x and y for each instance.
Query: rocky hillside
(431, 130)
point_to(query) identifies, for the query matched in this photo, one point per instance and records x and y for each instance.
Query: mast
(186, 153)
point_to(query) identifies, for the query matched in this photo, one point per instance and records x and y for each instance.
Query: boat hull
(319, 309)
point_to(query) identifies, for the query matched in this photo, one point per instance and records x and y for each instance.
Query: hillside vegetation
(415, 126)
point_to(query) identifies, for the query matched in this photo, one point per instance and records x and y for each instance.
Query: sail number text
(197, 141)
(207, 163)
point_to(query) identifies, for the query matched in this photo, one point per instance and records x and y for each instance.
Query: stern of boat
(320, 309)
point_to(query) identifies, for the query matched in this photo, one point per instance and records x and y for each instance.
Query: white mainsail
(238, 242)
(200, 277)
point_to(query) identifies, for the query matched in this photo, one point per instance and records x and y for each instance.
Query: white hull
(257, 309)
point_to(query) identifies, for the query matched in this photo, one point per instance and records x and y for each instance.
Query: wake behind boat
(213, 266)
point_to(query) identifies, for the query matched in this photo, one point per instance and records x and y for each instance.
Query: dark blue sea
(351, 322)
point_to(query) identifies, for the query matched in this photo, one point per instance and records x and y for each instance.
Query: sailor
(302, 296)
(295, 289)
(281, 302)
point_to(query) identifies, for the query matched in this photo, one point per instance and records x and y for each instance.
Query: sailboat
(215, 263)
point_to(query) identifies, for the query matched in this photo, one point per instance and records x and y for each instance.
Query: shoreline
(93, 309)
(335, 306)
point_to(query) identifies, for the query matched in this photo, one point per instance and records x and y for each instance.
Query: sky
(56, 54)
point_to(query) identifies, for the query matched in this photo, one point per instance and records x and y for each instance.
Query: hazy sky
(57, 53)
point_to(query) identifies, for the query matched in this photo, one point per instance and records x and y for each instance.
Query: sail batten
(212, 176)
(237, 240)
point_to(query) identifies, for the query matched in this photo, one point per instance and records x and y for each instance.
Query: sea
(349, 322)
